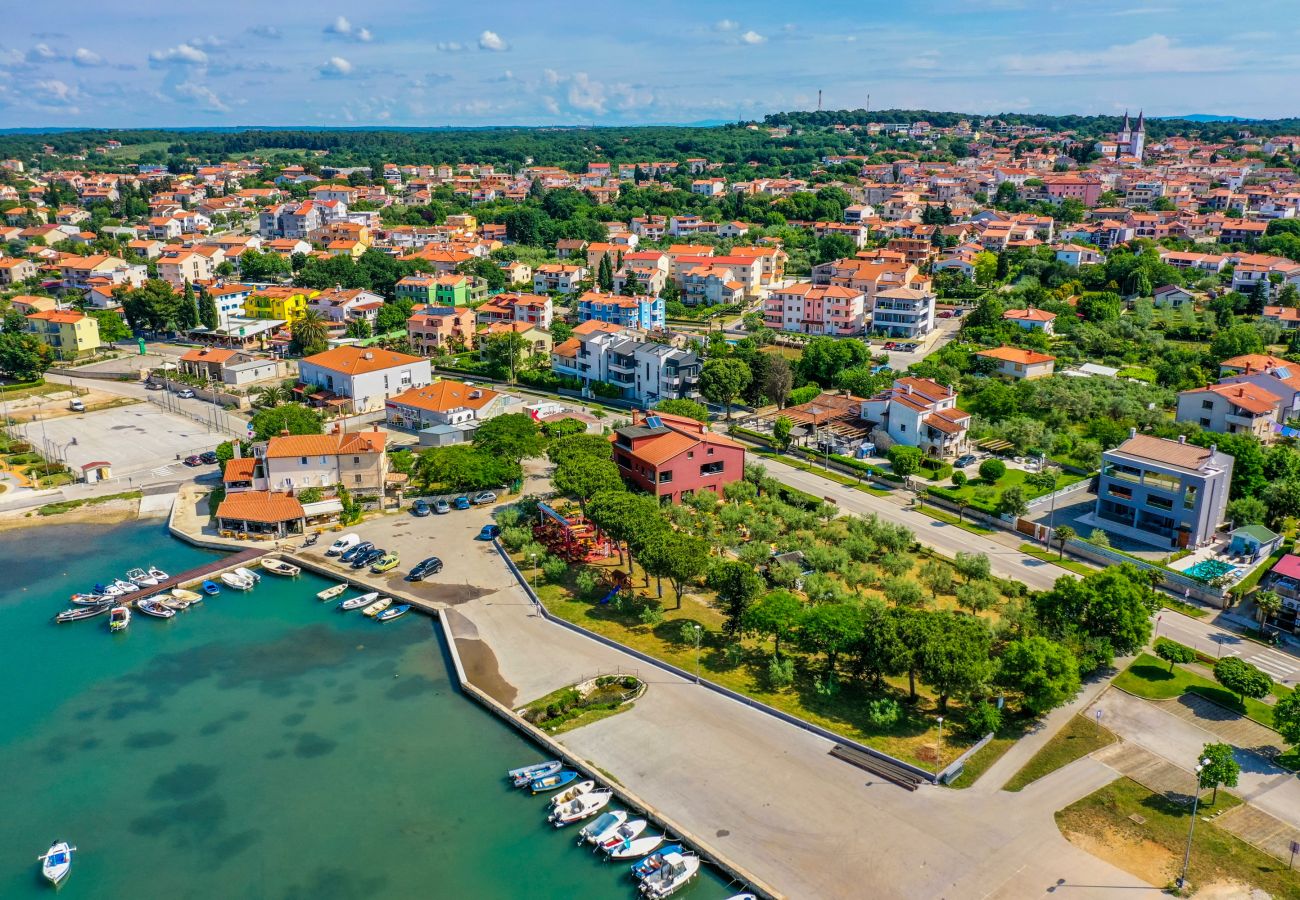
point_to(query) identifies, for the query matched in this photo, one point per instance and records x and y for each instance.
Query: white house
(364, 378)
(918, 412)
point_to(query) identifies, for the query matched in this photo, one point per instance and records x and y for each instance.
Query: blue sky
(130, 63)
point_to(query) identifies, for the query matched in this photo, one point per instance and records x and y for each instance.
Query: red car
(193, 461)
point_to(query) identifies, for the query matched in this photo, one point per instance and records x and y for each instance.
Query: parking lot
(133, 439)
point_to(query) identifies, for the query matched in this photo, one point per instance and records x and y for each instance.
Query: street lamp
(698, 633)
(532, 557)
(940, 718)
(1196, 799)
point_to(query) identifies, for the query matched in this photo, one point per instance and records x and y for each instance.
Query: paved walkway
(1258, 828)
(1146, 768)
(1229, 726)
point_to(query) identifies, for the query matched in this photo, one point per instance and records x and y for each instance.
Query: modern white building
(903, 313)
(360, 378)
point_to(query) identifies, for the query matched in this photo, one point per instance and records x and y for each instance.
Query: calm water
(260, 745)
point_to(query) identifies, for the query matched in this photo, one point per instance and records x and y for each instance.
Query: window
(665, 477)
(356, 479)
(1207, 404)
(690, 454)
(356, 460)
(712, 468)
(710, 453)
(302, 461)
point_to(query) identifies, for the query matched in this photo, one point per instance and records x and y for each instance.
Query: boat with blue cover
(554, 782)
(210, 588)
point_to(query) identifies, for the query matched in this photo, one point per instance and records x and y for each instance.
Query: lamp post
(532, 558)
(1191, 829)
(698, 633)
(940, 719)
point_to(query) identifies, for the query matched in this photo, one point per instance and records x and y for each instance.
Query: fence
(214, 418)
(1176, 582)
(1061, 493)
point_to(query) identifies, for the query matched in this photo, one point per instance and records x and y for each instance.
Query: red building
(673, 456)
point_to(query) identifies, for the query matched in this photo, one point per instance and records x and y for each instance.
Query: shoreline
(114, 512)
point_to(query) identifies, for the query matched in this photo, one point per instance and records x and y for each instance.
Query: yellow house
(69, 333)
(284, 303)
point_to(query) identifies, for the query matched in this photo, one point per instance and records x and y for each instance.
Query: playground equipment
(617, 580)
(572, 538)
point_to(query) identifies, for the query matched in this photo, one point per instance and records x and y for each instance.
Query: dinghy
(249, 574)
(677, 869)
(622, 835)
(211, 588)
(652, 862)
(393, 613)
(236, 581)
(553, 782)
(141, 577)
(77, 613)
(280, 567)
(638, 847)
(156, 608)
(358, 602)
(597, 831)
(529, 774)
(331, 593)
(584, 807)
(377, 607)
(119, 617)
(57, 862)
(572, 793)
(185, 596)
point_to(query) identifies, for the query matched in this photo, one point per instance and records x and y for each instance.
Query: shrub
(982, 718)
(1174, 652)
(630, 683)
(733, 654)
(686, 633)
(884, 712)
(650, 614)
(780, 673)
(992, 469)
(509, 517)
(587, 583)
(555, 569)
(515, 537)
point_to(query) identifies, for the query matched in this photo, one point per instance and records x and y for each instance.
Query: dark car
(193, 461)
(461, 503)
(441, 506)
(488, 532)
(421, 508)
(360, 549)
(209, 458)
(425, 568)
(153, 386)
(373, 555)
(964, 460)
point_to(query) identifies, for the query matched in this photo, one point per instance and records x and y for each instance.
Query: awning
(321, 508)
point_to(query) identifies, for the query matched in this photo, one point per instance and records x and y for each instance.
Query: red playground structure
(571, 538)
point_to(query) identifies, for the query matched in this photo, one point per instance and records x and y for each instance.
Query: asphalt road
(1215, 641)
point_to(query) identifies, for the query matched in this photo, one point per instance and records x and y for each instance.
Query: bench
(883, 768)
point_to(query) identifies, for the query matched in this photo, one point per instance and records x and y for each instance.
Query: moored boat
(155, 607)
(553, 782)
(236, 581)
(280, 567)
(211, 588)
(119, 617)
(641, 846)
(677, 869)
(78, 613)
(572, 793)
(249, 574)
(358, 602)
(528, 774)
(377, 607)
(622, 835)
(584, 807)
(140, 577)
(123, 587)
(603, 827)
(56, 863)
(652, 862)
(158, 575)
(185, 596)
(743, 897)
(393, 612)
(89, 599)
(331, 593)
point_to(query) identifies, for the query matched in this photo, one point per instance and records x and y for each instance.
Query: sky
(525, 62)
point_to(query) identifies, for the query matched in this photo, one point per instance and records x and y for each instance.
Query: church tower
(1138, 137)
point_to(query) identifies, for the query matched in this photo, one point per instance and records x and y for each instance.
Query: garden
(999, 489)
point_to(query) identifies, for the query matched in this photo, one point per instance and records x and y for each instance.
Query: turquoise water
(260, 745)
(1208, 569)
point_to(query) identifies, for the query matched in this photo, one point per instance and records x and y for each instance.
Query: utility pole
(1191, 829)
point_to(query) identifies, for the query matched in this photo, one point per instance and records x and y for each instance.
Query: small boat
(57, 862)
(377, 607)
(211, 588)
(572, 793)
(77, 613)
(118, 618)
(393, 612)
(622, 835)
(358, 602)
(584, 807)
(184, 596)
(107, 590)
(331, 593)
(652, 862)
(123, 587)
(158, 575)
(743, 897)
(175, 603)
(280, 567)
(249, 574)
(155, 607)
(603, 827)
(236, 581)
(554, 782)
(528, 774)
(638, 847)
(141, 577)
(89, 599)
(677, 869)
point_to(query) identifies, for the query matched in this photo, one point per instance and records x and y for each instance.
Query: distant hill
(1205, 117)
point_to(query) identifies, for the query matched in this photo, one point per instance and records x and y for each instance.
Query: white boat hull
(57, 862)
(642, 846)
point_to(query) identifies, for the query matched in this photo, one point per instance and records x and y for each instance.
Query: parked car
(209, 458)
(371, 556)
(193, 461)
(385, 562)
(424, 568)
(890, 345)
(964, 460)
(185, 394)
(488, 532)
(421, 508)
(153, 386)
(441, 506)
(461, 502)
(343, 544)
(76, 406)
(483, 497)
(356, 550)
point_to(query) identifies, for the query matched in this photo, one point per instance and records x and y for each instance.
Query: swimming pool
(1209, 569)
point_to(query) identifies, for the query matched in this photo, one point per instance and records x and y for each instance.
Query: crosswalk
(164, 470)
(1281, 666)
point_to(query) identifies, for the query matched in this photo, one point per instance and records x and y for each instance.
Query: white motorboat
(572, 793)
(123, 587)
(90, 599)
(358, 602)
(56, 863)
(249, 574)
(583, 807)
(607, 824)
(158, 575)
(743, 897)
(622, 835)
(331, 593)
(141, 577)
(154, 606)
(279, 567)
(236, 581)
(677, 869)
(635, 849)
(119, 617)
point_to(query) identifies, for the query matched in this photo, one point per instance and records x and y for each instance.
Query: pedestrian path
(1153, 772)
(1258, 828)
(1281, 666)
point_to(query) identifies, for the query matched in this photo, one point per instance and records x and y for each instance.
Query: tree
(23, 357)
(291, 417)
(271, 396)
(187, 309)
(310, 334)
(1114, 605)
(1242, 678)
(904, 460)
(992, 469)
(630, 520)
(359, 329)
(978, 596)
(679, 557)
(584, 477)
(208, 315)
(986, 268)
(463, 467)
(1045, 673)
(1286, 717)
(566, 449)
(956, 658)
(1268, 604)
(830, 629)
(721, 380)
(112, 327)
(774, 615)
(504, 352)
(1013, 502)
(680, 406)
(736, 584)
(1222, 768)
(513, 436)
(971, 566)
(938, 577)
(1063, 534)
(605, 274)
(150, 307)
(1174, 652)
(1247, 511)
(777, 379)
(781, 432)
(823, 358)
(392, 316)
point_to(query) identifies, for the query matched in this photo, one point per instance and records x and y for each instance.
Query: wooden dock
(201, 573)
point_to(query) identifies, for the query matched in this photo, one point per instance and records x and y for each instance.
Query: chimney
(1182, 439)
(284, 432)
(367, 355)
(1132, 433)
(237, 449)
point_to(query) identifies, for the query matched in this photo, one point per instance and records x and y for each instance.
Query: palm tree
(962, 503)
(1268, 603)
(310, 331)
(271, 396)
(1062, 534)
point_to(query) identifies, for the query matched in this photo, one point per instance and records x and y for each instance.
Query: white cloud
(266, 31)
(207, 42)
(344, 28)
(726, 25)
(11, 59)
(490, 40)
(336, 67)
(201, 94)
(589, 97)
(57, 92)
(41, 53)
(88, 58)
(752, 37)
(1156, 53)
(449, 46)
(181, 55)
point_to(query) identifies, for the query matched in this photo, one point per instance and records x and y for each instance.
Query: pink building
(816, 309)
(1075, 187)
(432, 329)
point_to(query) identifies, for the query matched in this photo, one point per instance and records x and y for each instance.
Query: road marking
(163, 470)
(1273, 664)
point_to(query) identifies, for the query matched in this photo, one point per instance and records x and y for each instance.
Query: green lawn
(943, 515)
(1077, 739)
(1037, 552)
(1013, 729)
(1149, 677)
(985, 495)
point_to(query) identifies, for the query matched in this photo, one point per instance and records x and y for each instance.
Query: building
(902, 312)
(284, 304)
(645, 313)
(342, 305)
(452, 407)
(918, 412)
(78, 272)
(13, 271)
(1284, 580)
(644, 372)
(361, 379)
(229, 300)
(1032, 319)
(354, 459)
(1287, 317)
(673, 457)
(186, 266)
(556, 278)
(1162, 492)
(1013, 362)
(419, 289)
(435, 329)
(1170, 295)
(1232, 408)
(231, 367)
(1131, 139)
(70, 334)
(810, 308)
(531, 308)
(536, 341)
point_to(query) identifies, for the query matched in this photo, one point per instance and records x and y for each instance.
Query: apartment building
(358, 378)
(673, 457)
(434, 329)
(810, 308)
(644, 371)
(645, 313)
(906, 313)
(919, 412)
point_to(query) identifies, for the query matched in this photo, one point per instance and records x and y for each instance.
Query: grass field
(1077, 739)
(1149, 677)
(135, 151)
(1055, 559)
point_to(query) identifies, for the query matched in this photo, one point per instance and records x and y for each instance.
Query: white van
(343, 544)
(76, 406)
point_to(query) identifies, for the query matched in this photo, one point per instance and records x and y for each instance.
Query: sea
(258, 745)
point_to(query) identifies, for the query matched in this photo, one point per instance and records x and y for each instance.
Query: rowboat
(280, 567)
(78, 613)
(638, 847)
(596, 832)
(572, 793)
(155, 607)
(141, 577)
(528, 774)
(677, 869)
(184, 596)
(553, 782)
(118, 618)
(653, 861)
(331, 593)
(236, 581)
(393, 612)
(377, 607)
(358, 602)
(57, 862)
(211, 588)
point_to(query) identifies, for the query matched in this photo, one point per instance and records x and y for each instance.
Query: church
(1131, 139)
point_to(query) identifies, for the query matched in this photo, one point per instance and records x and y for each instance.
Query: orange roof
(357, 361)
(1016, 355)
(58, 316)
(1256, 361)
(239, 469)
(291, 445)
(1029, 315)
(1246, 396)
(567, 348)
(593, 325)
(260, 506)
(445, 395)
(208, 354)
